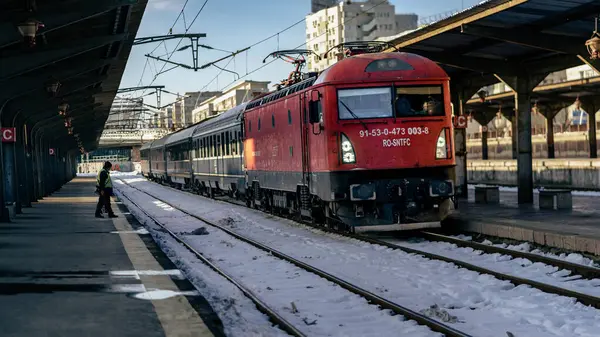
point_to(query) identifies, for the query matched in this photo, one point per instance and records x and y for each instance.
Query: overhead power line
(314, 38)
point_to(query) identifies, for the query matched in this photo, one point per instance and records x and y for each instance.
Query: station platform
(64, 272)
(576, 230)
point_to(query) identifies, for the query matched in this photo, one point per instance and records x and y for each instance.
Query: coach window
(227, 144)
(259, 124)
(211, 146)
(240, 142)
(221, 147)
(289, 117)
(249, 126)
(273, 120)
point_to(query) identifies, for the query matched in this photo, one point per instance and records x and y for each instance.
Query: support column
(550, 134)
(524, 159)
(460, 145)
(592, 132)
(514, 128)
(9, 173)
(484, 143)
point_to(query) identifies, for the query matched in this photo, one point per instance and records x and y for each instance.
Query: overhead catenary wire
(314, 38)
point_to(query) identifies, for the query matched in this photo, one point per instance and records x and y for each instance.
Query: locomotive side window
(419, 101)
(365, 103)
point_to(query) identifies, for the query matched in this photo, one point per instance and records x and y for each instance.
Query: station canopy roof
(507, 38)
(83, 45)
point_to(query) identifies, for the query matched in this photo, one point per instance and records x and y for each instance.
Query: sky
(232, 25)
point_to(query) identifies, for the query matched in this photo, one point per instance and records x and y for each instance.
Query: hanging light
(29, 29)
(62, 108)
(593, 44)
(482, 95)
(53, 87)
(577, 104)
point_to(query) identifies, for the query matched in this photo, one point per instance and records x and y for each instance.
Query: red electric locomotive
(367, 144)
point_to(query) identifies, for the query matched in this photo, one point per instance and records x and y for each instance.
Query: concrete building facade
(331, 26)
(128, 113)
(190, 101)
(236, 95)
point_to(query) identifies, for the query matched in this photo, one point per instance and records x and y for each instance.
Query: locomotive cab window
(419, 101)
(365, 103)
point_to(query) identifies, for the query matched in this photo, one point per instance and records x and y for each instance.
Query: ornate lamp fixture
(29, 29)
(62, 108)
(482, 95)
(52, 87)
(593, 44)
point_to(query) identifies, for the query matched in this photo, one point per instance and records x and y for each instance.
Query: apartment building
(352, 21)
(236, 95)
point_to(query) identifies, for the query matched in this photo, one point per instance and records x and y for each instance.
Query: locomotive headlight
(348, 155)
(441, 151)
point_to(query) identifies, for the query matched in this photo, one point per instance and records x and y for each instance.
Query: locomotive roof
(409, 67)
(224, 118)
(353, 69)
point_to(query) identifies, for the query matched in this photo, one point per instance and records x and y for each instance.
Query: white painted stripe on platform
(136, 273)
(141, 231)
(176, 315)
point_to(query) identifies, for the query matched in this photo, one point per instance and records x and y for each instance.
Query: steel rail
(585, 271)
(263, 307)
(582, 298)
(371, 297)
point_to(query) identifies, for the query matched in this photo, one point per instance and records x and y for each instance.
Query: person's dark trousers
(104, 200)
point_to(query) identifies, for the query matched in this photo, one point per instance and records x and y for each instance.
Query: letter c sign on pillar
(9, 135)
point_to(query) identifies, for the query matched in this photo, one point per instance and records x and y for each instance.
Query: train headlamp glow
(348, 155)
(441, 151)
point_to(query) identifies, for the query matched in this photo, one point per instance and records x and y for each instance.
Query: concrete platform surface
(65, 273)
(577, 229)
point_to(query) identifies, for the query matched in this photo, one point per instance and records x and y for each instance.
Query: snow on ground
(314, 305)
(527, 247)
(239, 315)
(518, 267)
(112, 174)
(536, 190)
(483, 305)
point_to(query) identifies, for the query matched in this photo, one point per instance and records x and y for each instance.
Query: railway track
(585, 271)
(276, 318)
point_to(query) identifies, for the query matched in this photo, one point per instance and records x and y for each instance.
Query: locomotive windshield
(365, 103)
(386, 102)
(419, 101)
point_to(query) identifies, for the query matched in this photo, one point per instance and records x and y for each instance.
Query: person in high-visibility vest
(105, 189)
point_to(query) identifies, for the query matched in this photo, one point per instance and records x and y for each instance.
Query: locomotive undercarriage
(387, 199)
(360, 201)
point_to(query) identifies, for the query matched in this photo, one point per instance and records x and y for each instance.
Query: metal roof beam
(470, 63)
(22, 64)
(57, 17)
(551, 64)
(539, 25)
(37, 81)
(526, 37)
